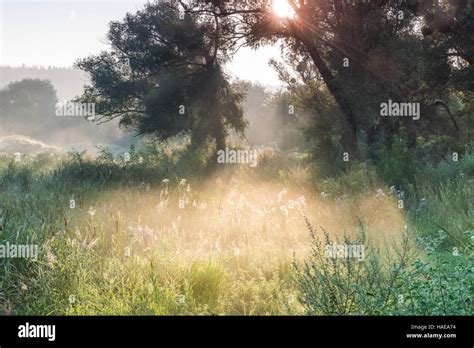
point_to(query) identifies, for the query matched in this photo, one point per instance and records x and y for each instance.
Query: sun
(283, 9)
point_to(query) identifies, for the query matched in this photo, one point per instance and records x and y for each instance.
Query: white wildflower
(284, 210)
(301, 200)
(281, 194)
(92, 212)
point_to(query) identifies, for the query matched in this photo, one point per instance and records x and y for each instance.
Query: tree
(448, 30)
(27, 107)
(163, 76)
(367, 52)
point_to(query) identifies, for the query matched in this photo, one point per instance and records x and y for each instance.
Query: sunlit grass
(168, 244)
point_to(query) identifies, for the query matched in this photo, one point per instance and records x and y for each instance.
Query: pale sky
(57, 32)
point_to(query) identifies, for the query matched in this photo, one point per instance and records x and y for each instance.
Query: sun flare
(283, 9)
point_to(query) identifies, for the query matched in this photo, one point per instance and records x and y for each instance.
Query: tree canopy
(169, 58)
(164, 76)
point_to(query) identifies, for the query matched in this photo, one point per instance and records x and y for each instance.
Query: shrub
(440, 285)
(395, 284)
(397, 165)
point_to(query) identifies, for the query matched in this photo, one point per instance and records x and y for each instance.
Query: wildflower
(380, 193)
(324, 195)
(182, 182)
(301, 200)
(92, 244)
(284, 210)
(140, 233)
(281, 194)
(422, 206)
(92, 212)
(77, 232)
(50, 258)
(164, 189)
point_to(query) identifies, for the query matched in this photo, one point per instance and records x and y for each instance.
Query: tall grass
(167, 232)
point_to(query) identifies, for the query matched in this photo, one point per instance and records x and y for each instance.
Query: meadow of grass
(164, 233)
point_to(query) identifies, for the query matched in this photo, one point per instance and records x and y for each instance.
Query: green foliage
(29, 102)
(16, 177)
(82, 266)
(348, 286)
(359, 178)
(441, 284)
(388, 283)
(397, 165)
(163, 76)
(447, 207)
(324, 128)
(206, 281)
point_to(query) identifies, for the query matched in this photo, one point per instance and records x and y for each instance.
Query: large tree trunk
(219, 136)
(350, 137)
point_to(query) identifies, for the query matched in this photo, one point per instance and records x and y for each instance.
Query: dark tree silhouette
(163, 76)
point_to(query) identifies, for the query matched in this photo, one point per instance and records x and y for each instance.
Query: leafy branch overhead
(164, 76)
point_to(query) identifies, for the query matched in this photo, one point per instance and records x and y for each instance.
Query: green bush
(442, 284)
(394, 284)
(397, 166)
